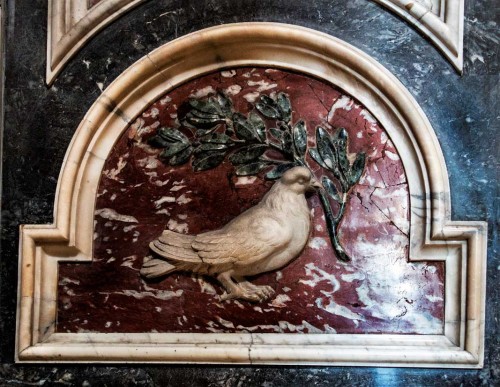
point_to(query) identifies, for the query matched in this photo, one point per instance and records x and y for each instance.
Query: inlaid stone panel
(148, 186)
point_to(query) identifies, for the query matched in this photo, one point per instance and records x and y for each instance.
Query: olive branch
(218, 132)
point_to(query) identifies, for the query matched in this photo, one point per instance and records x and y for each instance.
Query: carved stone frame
(433, 236)
(71, 23)
(445, 28)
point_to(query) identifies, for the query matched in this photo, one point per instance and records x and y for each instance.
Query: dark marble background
(40, 122)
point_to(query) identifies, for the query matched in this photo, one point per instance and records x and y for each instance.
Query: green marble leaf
(217, 138)
(357, 168)
(210, 147)
(340, 142)
(285, 106)
(209, 106)
(268, 107)
(202, 122)
(244, 128)
(279, 170)
(258, 125)
(266, 100)
(329, 152)
(203, 132)
(225, 103)
(158, 142)
(331, 189)
(251, 169)
(249, 153)
(316, 157)
(300, 138)
(181, 157)
(284, 127)
(276, 133)
(173, 149)
(208, 161)
(173, 135)
(201, 114)
(268, 111)
(287, 143)
(325, 148)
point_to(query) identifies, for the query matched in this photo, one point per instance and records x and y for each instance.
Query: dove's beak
(315, 184)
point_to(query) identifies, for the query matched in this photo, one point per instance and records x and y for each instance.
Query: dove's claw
(255, 293)
(261, 292)
(242, 295)
(243, 289)
(268, 291)
(227, 296)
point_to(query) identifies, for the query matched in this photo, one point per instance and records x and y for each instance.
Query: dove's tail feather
(175, 239)
(177, 254)
(156, 268)
(176, 248)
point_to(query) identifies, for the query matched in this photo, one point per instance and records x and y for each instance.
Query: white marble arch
(71, 23)
(433, 235)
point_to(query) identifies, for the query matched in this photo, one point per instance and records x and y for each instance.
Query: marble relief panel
(140, 195)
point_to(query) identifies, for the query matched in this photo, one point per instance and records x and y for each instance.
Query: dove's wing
(243, 242)
(175, 247)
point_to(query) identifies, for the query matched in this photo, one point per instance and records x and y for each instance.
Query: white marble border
(433, 236)
(71, 24)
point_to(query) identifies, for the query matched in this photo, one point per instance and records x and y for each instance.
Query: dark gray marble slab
(40, 122)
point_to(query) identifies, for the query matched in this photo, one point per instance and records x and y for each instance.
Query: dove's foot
(241, 294)
(264, 291)
(243, 290)
(259, 294)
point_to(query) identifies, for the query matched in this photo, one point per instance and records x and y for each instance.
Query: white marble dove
(263, 238)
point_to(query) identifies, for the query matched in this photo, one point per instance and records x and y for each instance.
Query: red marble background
(139, 196)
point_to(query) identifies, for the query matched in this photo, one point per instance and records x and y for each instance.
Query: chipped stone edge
(433, 235)
(446, 30)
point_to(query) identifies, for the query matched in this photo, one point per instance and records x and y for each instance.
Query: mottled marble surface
(93, 2)
(40, 121)
(139, 196)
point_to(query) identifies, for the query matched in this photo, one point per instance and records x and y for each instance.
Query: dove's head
(299, 180)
